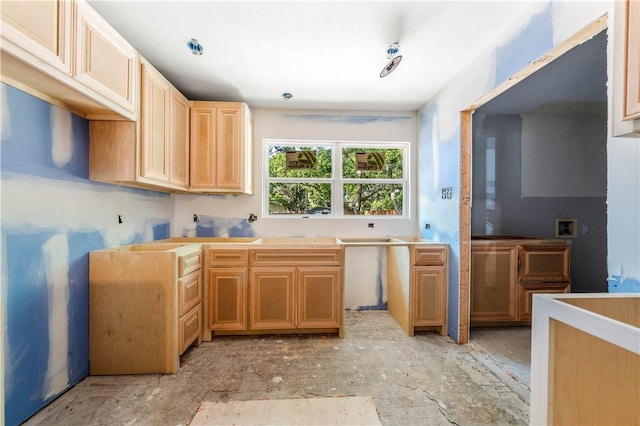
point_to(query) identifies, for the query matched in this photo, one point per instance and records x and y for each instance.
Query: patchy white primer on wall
(61, 136)
(56, 260)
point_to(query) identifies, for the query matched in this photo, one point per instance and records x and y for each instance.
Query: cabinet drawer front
(304, 257)
(189, 292)
(430, 255)
(526, 292)
(544, 264)
(189, 263)
(189, 327)
(222, 258)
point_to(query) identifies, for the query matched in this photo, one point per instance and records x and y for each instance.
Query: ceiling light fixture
(195, 46)
(394, 59)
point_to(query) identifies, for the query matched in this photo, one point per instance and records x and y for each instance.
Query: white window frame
(336, 180)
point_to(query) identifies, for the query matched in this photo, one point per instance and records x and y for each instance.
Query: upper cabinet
(626, 69)
(153, 152)
(221, 141)
(164, 144)
(64, 52)
(43, 29)
(104, 60)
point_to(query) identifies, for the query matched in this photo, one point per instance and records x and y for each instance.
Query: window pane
(278, 162)
(299, 198)
(373, 199)
(374, 163)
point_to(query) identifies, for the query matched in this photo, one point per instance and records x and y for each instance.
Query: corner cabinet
(145, 307)
(626, 69)
(65, 52)
(506, 273)
(152, 153)
(221, 147)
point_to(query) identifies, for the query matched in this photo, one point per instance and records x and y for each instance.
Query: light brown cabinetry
(104, 60)
(505, 273)
(221, 142)
(626, 69)
(272, 298)
(429, 292)
(417, 281)
(153, 153)
(273, 289)
(145, 307)
(64, 52)
(226, 284)
(493, 282)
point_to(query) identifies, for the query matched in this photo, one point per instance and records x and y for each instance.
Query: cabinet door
(429, 295)
(203, 142)
(227, 299)
(178, 139)
(105, 62)
(189, 328)
(319, 297)
(229, 149)
(272, 298)
(526, 292)
(154, 141)
(544, 263)
(41, 29)
(632, 80)
(189, 292)
(493, 283)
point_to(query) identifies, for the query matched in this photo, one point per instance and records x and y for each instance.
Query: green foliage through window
(324, 179)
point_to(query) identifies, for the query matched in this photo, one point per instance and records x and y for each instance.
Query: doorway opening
(534, 152)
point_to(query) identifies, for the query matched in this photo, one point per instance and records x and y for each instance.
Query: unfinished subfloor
(422, 380)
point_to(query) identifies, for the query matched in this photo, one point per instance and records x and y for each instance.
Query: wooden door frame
(466, 139)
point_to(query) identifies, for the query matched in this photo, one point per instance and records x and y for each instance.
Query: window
(335, 179)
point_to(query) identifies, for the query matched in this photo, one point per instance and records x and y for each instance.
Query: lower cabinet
(493, 283)
(505, 273)
(228, 299)
(417, 286)
(272, 298)
(269, 290)
(288, 298)
(429, 296)
(145, 307)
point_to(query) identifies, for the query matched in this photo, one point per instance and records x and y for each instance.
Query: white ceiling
(328, 54)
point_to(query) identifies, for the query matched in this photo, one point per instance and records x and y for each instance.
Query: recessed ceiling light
(195, 46)
(286, 96)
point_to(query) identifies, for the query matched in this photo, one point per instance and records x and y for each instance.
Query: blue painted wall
(52, 216)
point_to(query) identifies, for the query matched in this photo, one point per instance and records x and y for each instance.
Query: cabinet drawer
(226, 258)
(189, 292)
(189, 328)
(292, 257)
(430, 256)
(189, 263)
(544, 263)
(526, 292)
